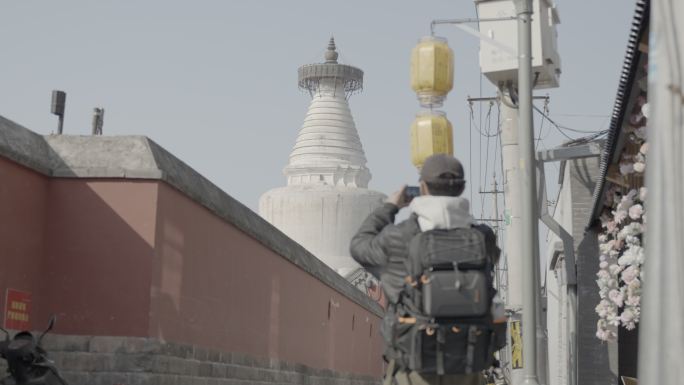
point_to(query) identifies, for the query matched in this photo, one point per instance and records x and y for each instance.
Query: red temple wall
(22, 225)
(98, 255)
(216, 286)
(139, 258)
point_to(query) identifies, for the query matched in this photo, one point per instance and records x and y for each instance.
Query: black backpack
(444, 315)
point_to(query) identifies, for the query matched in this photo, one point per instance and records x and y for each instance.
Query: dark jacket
(381, 247)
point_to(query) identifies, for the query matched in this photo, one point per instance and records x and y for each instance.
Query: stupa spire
(331, 54)
(328, 148)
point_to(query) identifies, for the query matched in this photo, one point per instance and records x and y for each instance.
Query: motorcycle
(27, 360)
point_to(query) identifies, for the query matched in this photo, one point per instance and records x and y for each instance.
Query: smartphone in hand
(411, 192)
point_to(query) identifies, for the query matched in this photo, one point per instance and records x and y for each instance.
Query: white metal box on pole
(500, 66)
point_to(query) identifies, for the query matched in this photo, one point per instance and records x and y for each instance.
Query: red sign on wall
(17, 310)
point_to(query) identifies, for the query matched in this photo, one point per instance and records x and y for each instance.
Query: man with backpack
(443, 322)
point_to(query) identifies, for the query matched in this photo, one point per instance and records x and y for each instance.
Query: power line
(483, 182)
(485, 131)
(584, 115)
(485, 134)
(470, 150)
(561, 127)
(541, 125)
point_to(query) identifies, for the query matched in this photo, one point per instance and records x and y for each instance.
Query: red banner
(17, 310)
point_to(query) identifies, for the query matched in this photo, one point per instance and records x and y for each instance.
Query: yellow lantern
(431, 133)
(432, 70)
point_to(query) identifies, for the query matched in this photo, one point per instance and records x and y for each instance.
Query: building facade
(593, 335)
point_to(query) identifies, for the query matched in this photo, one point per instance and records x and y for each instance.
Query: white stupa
(326, 197)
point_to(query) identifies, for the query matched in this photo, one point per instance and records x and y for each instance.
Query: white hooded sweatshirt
(441, 212)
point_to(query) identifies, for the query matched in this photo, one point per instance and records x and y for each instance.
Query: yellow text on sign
(516, 345)
(15, 316)
(16, 305)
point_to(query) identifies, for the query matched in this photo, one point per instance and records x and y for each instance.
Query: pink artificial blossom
(645, 110)
(627, 315)
(633, 300)
(620, 216)
(603, 274)
(613, 319)
(616, 297)
(629, 274)
(605, 218)
(614, 269)
(607, 247)
(630, 195)
(636, 211)
(627, 318)
(627, 258)
(641, 255)
(641, 101)
(605, 335)
(626, 168)
(641, 132)
(639, 167)
(633, 240)
(601, 310)
(636, 119)
(627, 200)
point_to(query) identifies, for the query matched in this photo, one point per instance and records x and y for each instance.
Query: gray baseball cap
(441, 168)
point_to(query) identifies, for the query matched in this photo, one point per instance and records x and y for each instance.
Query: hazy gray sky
(215, 82)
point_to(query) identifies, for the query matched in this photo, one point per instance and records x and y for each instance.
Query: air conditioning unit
(500, 66)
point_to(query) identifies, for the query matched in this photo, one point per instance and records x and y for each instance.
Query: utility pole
(510, 155)
(528, 201)
(510, 70)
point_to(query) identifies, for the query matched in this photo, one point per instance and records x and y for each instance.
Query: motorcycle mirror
(51, 324)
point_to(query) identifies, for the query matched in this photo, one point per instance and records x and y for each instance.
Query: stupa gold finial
(331, 54)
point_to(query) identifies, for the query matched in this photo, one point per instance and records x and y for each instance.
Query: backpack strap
(413, 231)
(440, 342)
(392, 369)
(492, 343)
(412, 283)
(470, 350)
